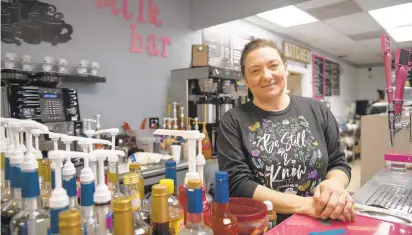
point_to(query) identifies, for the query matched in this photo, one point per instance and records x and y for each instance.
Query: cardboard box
(200, 55)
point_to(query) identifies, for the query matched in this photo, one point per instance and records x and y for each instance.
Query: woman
(283, 148)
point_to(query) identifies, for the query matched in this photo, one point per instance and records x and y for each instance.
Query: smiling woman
(283, 148)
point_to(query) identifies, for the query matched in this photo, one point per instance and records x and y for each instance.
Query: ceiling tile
(334, 10)
(367, 35)
(368, 5)
(316, 4)
(373, 45)
(354, 24)
(314, 30)
(364, 58)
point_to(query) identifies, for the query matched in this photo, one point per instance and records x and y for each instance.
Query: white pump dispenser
(200, 158)
(89, 142)
(30, 186)
(59, 200)
(113, 132)
(36, 133)
(191, 137)
(102, 193)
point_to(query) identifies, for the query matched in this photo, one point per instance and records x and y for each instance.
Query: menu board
(326, 77)
(333, 73)
(225, 50)
(318, 76)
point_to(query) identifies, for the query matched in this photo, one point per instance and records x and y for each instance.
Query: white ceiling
(345, 29)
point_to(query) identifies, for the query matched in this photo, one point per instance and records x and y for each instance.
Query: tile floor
(355, 182)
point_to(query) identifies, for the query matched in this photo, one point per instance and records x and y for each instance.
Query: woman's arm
(232, 158)
(286, 203)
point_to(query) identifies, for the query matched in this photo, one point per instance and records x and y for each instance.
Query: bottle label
(271, 224)
(176, 225)
(135, 202)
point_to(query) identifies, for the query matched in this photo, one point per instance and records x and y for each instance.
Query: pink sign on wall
(147, 13)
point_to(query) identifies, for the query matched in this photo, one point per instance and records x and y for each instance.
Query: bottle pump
(191, 136)
(102, 196)
(30, 184)
(5, 142)
(59, 200)
(69, 174)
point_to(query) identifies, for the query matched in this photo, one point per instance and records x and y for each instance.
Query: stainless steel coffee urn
(226, 104)
(206, 110)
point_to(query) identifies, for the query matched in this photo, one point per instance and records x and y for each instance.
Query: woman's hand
(333, 201)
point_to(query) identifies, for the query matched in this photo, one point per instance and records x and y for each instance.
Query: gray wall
(136, 83)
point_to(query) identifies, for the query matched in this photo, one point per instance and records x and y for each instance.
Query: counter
(154, 173)
(387, 192)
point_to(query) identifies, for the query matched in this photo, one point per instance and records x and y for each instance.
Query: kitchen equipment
(206, 110)
(208, 85)
(40, 104)
(199, 90)
(226, 104)
(227, 86)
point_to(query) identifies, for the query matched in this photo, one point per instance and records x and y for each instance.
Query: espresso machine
(57, 108)
(208, 92)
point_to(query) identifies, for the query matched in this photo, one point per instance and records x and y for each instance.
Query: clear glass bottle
(222, 221)
(87, 205)
(195, 225)
(70, 223)
(5, 184)
(144, 210)
(33, 218)
(14, 206)
(176, 211)
(160, 210)
(104, 219)
(113, 180)
(131, 181)
(45, 193)
(272, 217)
(123, 216)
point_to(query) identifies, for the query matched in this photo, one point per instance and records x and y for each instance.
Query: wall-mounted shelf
(82, 78)
(13, 75)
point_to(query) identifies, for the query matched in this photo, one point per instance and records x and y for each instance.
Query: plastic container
(251, 215)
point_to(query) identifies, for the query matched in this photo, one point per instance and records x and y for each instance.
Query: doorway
(294, 84)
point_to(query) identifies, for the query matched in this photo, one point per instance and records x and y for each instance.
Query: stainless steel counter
(388, 192)
(153, 173)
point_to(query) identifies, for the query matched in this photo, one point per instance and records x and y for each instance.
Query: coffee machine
(57, 108)
(207, 92)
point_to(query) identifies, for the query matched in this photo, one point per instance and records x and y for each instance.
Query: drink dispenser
(226, 104)
(206, 110)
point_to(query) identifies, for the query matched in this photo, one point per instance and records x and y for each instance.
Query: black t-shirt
(290, 151)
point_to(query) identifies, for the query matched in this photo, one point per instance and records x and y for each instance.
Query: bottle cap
(122, 203)
(130, 178)
(170, 163)
(221, 187)
(269, 205)
(134, 166)
(102, 194)
(159, 190)
(69, 219)
(194, 183)
(170, 184)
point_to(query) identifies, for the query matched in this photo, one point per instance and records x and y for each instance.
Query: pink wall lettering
(147, 12)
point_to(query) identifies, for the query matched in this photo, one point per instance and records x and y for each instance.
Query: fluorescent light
(401, 34)
(287, 16)
(394, 16)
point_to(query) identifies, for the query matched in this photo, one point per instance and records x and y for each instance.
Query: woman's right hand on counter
(309, 208)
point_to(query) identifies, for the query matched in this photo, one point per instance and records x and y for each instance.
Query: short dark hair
(256, 44)
(253, 45)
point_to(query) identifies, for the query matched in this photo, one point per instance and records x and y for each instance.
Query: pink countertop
(304, 225)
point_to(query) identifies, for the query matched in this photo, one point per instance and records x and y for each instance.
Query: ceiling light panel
(393, 16)
(287, 16)
(401, 34)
